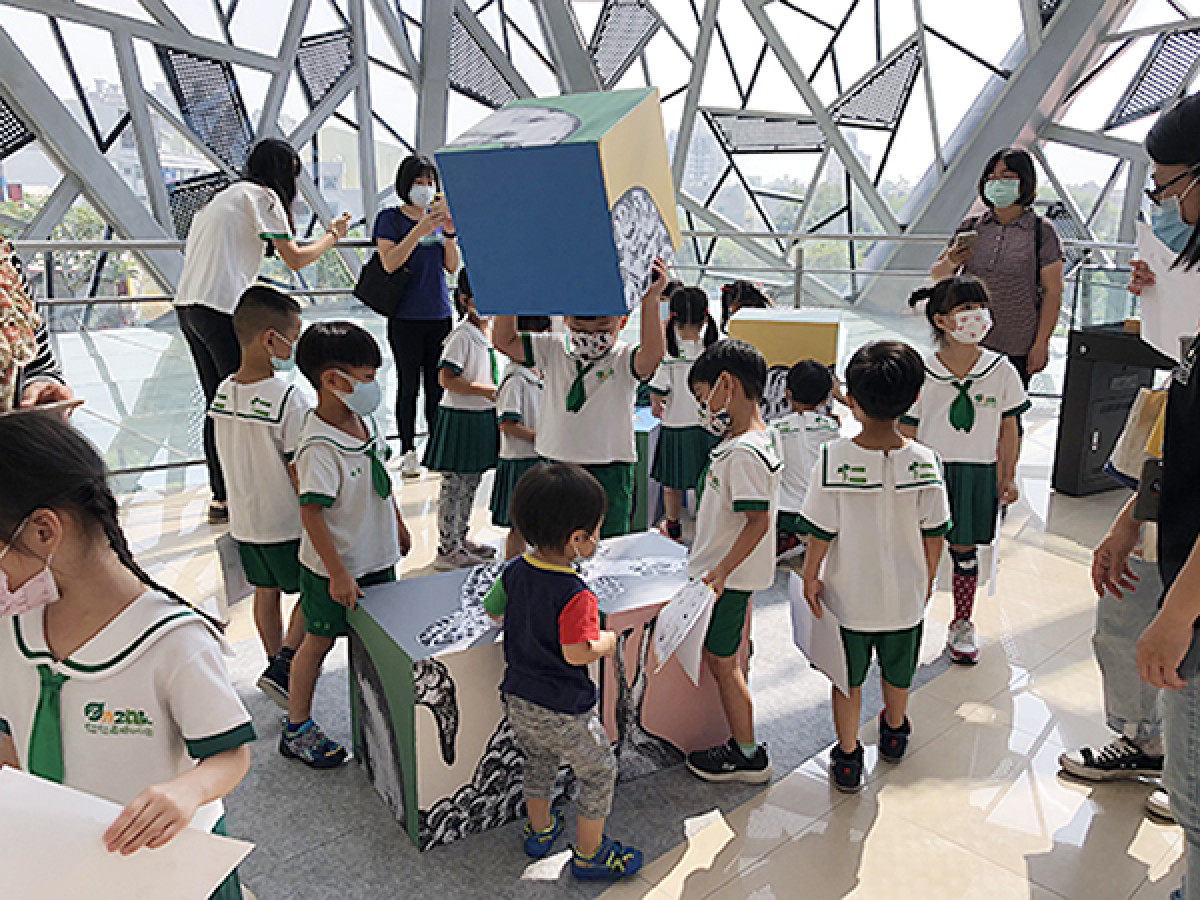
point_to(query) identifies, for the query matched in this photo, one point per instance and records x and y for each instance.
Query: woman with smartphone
(1017, 255)
(418, 233)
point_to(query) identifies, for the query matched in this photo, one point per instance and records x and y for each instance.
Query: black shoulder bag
(379, 290)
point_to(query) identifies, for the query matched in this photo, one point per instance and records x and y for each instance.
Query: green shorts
(324, 616)
(272, 565)
(898, 652)
(789, 523)
(728, 619)
(617, 481)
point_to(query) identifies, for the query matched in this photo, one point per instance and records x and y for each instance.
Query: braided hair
(47, 464)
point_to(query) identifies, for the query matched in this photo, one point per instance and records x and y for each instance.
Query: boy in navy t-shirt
(551, 634)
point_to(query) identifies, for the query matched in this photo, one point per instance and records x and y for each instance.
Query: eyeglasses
(1155, 194)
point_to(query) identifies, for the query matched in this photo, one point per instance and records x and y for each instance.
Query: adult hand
(958, 255)
(155, 817)
(443, 209)
(430, 222)
(40, 393)
(1039, 356)
(1142, 278)
(1160, 651)
(814, 593)
(1110, 563)
(340, 226)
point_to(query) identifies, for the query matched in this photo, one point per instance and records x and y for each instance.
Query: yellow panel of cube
(786, 336)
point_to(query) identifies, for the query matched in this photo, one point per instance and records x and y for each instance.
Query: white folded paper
(682, 625)
(818, 639)
(51, 845)
(1171, 307)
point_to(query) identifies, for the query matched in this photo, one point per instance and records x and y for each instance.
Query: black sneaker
(1121, 758)
(726, 762)
(846, 769)
(275, 678)
(893, 741)
(218, 513)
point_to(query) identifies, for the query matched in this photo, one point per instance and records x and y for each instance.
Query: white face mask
(591, 345)
(971, 325)
(421, 195)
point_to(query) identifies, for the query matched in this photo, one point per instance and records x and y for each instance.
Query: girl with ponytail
(968, 411)
(683, 443)
(113, 684)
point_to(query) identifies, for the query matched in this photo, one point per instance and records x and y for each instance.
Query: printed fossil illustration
(640, 235)
(638, 751)
(433, 688)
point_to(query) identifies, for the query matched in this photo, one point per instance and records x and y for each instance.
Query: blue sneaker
(309, 744)
(538, 843)
(612, 861)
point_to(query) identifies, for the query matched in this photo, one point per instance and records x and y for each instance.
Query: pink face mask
(40, 590)
(971, 325)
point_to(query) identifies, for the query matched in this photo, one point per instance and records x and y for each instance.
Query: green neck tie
(962, 410)
(577, 395)
(495, 366)
(380, 478)
(45, 739)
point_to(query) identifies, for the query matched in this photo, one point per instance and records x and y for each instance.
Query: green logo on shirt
(985, 402)
(852, 474)
(99, 719)
(922, 471)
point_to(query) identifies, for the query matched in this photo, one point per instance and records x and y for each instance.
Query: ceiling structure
(787, 117)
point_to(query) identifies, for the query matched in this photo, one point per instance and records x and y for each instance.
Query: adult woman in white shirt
(225, 249)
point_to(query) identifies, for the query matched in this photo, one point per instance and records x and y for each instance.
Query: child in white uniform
(111, 684)
(683, 444)
(464, 440)
(256, 420)
(591, 382)
(517, 404)
(969, 412)
(801, 433)
(876, 513)
(353, 532)
(734, 549)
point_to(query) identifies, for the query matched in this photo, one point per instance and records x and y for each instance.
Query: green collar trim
(723, 451)
(363, 448)
(99, 667)
(280, 408)
(973, 375)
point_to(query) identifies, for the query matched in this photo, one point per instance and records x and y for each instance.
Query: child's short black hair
(332, 345)
(554, 500)
(739, 359)
(809, 382)
(884, 378)
(262, 307)
(462, 293)
(533, 323)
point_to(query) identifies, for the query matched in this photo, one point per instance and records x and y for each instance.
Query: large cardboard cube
(425, 670)
(562, 203)
(784, 337)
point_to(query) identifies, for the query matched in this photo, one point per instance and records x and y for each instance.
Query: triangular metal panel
(622, 32)
(878, 98)
(206, 91)
(1159, 79)
(748, 131)
(472, 71)
(188, 196)
(322, 60)
(13, 133)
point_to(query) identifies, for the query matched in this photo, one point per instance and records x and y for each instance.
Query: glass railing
(123, 353)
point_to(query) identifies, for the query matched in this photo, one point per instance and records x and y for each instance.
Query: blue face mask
(1002, 192)
(365, 397)
(287, 363)
(1169, 227)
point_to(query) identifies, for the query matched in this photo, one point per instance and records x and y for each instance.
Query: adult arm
(296, 256)
(1110, 559)
(1166, 641)
(1051, 278)
(654, 342)
(42, 379)
(452, 259)
(394, 254)
(158, 814)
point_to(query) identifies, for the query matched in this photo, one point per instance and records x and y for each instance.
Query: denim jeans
(1131, 706)
(1181, 774)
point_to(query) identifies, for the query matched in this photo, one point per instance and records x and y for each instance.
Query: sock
(293, 730)
(674, 529)
(287, 654)
(965, 582)
(748, 750)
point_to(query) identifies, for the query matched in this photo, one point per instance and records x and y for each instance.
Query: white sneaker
(1158, 804)
(458, 558)
(960, 641)
(410, 466)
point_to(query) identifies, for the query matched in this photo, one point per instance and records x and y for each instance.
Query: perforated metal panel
(13, 133)
(880, 96)
(623, 29)
(1048, 8)
(471, 71)
(188, 196)
(1159, 79)
(207, 94)
(321, 61)
(749, 132)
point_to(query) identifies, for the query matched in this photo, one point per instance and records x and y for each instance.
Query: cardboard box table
(562, 203)
(784, 337)
(425, 669)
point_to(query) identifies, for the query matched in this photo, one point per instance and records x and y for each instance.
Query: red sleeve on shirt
(579, 621)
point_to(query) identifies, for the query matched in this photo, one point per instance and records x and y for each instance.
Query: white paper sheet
(818, 639)
(51, 845)
(233, 575)
(682, 625)
(995, 568)
(1171, 307)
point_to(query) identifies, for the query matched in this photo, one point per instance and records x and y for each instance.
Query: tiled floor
(977, 809)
